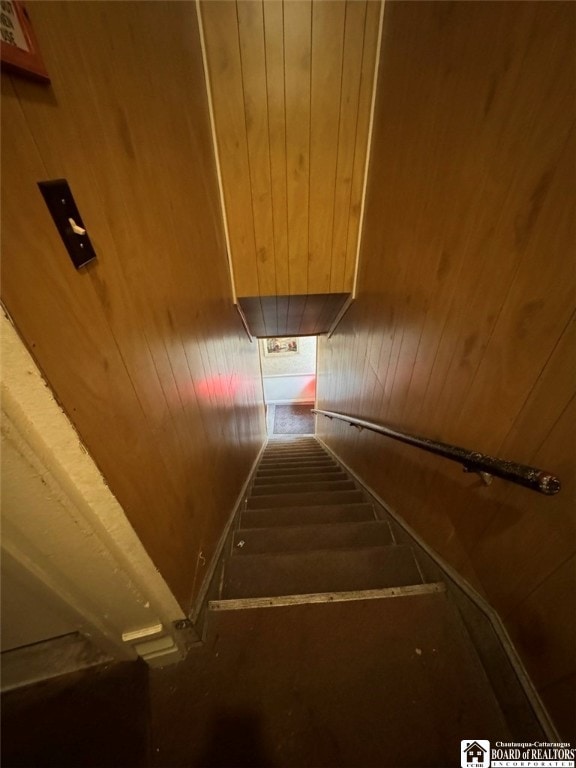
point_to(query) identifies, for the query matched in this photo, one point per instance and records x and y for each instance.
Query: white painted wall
(290, 378)
(303, 362)
(296, 388)
(64, 534)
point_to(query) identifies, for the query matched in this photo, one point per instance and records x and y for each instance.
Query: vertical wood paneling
(297, 67)
(253, 62)
(349, 102)
(143, 347)
(463, 328)
(294, 94)
(275, 97)
(220, 24)
(328, 24)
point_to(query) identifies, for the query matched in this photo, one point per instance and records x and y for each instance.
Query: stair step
(268, 575)
(303, 478)
(293, 448)
(299, 538)
(306, 455)
(296, 457)
(306, 499)
(292, 445)
(288, 439)
(309, 487)
(302, 515)
(294, 463)
(297, 471)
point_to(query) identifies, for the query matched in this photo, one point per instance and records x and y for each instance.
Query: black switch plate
(62, 207)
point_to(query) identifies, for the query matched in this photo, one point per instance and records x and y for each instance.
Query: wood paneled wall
(291, 86)
(464, 326)
(143, 347)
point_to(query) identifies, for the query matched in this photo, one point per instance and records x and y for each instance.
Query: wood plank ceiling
(307, 315)
(291, 85)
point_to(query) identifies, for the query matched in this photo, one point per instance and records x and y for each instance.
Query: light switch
(62, 207)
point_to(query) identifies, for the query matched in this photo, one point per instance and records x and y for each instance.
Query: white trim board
(290, 402)
(89, 557)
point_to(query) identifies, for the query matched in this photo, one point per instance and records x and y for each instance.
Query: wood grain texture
(291, 83)
(305, 315)
(143, 347)
(464, 325)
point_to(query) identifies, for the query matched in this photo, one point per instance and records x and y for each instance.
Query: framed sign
(282, 346)
(19, 50)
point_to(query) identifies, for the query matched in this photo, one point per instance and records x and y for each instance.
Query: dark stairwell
(327, 644)
(331, 639)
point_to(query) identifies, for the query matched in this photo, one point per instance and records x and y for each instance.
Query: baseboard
(498, 654)
(198, 612)
(307, 401)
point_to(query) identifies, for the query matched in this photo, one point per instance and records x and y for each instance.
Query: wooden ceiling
(291, 85)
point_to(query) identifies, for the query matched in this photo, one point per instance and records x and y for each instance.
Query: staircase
(325, 643)
(308, 529)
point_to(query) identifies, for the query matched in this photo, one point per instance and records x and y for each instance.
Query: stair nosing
(411, 590)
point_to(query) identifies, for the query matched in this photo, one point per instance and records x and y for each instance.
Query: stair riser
(311, 456)
(315, 478)
(288, 451)
(307, 499)
(310, 537)
(292, 463)
(320, 571)
(297, 471)
(269, 490)
(282, 516)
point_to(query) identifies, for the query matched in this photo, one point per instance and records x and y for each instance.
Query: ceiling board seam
(286, 147)
(216, 152)
(270, 159)
(368, 149)
(355, 142)
(338, 146)
(310, 142)
(248, 151)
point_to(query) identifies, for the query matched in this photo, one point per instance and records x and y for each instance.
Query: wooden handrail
(486, 466)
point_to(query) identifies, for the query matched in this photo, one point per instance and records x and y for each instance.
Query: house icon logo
(475, 754)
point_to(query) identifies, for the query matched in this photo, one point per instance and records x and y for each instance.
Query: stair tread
(312, 498)
(297, 468)
(306, 515)
(292, 538)
(296, 449)
(304, 487)
(296, 479)
(271, 471)
(363, 690)
(295, 460)
(325, 570)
